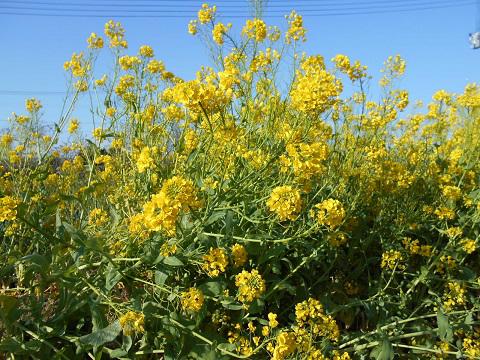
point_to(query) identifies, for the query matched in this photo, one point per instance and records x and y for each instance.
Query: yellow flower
(239, 254)
(454, 295)
(296, 31)
(250, 285)
(272, 320)
(340, 356)
(6, 140)
(94, 41)
(215, 262)
(452, 192)
(161, 212)
(444, 213)
(168, 249)
(285, 345)
(33, 105)
(394, 67)
(145, 160)
(81, 85)
(21, 119)
(354, 71)
(110, 111)
(337, 239)
(206, 14)
(468, 245)
(471, 96)
(8, 208)
(265, 331)
(155, 66)
(132, 322)
(101, 81)
(73, 126)
(116, 33)
(219, 30)
(97, 217)
(471, 347)
(192, 300)
(77, 65)
(146, 51)
(454, 232)
(285, 202)
(255, 29)
(307, 159)
(129, 62)
(390, 259)
(312, 321)
(314, 89)
(330, 213)
(98, 133)
(193, 27)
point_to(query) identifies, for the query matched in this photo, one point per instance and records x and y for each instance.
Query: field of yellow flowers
(237, 215)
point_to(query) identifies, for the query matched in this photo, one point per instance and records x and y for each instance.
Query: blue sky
(434, 43)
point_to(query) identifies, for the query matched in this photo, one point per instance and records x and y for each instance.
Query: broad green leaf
(213, 288)
(232, 306)
(102, 336)
(39, 260)
(444, 329)
(172, 261)
(214, 217)
(112, 277)
(160, 277)
(383, 351)
(11, 346)
(9, 310)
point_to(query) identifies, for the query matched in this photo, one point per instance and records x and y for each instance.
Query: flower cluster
(192, 300)
(132, 322)
(250, 285)
(315, 89)
(286, 202)
(330, 213)
(8, 208)
(215, 262)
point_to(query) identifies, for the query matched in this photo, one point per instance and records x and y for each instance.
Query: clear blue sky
(434, 42)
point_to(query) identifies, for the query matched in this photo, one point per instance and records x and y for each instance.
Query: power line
(230, 4)
(30, 92)
(328, 7)
(311, 13)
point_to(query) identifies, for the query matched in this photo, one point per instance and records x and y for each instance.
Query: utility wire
(30, 92)
(277, 4)
(314, 13)
(197, 2)
(315, 10)
(236, 15)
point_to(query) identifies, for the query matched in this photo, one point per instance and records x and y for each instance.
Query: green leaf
(231, 306)
(11, 346)
(160, 277)
(39, 260)
(213, 288)
(214, 217)
(9, 310)
(383, 351)
(116, 353)
(444, 329)
(173, 261)
(256, 306)
(74, 233)
(227, 347)
(112, 277)
(102, 336)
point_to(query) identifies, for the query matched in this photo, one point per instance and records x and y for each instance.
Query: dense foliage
(238, 214)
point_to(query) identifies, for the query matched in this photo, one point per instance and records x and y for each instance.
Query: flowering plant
(230, 217)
